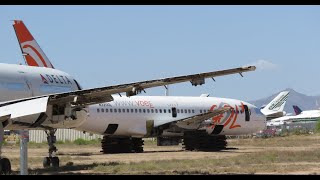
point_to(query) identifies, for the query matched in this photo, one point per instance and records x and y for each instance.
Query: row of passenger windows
(144, 110)
(155, 111)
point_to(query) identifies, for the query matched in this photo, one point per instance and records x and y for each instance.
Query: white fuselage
(19, 81)
(304, 116)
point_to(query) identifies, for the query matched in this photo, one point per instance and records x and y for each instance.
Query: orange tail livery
(31, 50)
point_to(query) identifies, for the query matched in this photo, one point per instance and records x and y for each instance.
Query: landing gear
(121, 145)
(201, 141)
(5, 165)
(52, 160)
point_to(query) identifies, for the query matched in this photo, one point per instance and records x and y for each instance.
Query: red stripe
(39, 55)
(31, 61)
(22, 31)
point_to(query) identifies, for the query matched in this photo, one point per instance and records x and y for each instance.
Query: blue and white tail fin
(276, 106)
(296, 109)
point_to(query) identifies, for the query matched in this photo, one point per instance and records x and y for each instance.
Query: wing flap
(25, 108)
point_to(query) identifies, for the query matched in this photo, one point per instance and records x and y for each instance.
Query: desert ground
(294, 154)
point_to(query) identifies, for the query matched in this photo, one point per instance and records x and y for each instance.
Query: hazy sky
(107, 45)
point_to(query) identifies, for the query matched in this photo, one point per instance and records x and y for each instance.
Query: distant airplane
(38, 96)
(309, 116)
(275, 108)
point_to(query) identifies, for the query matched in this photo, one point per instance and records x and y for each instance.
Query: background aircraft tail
(277, 104)
(296, 109)
(34, 56)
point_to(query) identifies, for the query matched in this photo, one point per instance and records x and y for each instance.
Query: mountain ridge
(304, 102)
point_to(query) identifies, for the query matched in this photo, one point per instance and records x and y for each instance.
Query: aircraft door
(247, 113)
(174, 112)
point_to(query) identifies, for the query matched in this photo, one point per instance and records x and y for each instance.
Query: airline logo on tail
(278, 102)
(297, 110)
(31, 50)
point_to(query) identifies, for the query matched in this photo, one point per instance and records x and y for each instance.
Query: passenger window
(156, 110)
(140, 111)
(123, 110)
(107, 110)
(136, 110)
(164, 111)
(144, 111)
(151, 110)
(115, 110)
(119, 110)
(148, 110)
(189, 111)
(204, 111)
(169, 111)
(128, 110)
(178, 111)
(111, 110)
(131, 110)
(192, 110)
(160, 110)
(185, 111)
(102, 110)
(200, 111)
(98, 110)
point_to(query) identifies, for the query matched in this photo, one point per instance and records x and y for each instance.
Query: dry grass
(279, 155)
(260, 162)
(288, 141)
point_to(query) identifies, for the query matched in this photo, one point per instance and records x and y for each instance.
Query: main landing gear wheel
(112, 145)
(5, 166)
(201, 141)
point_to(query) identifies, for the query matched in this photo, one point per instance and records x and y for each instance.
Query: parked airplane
(38, 96)
(309, 116)
(275, 108)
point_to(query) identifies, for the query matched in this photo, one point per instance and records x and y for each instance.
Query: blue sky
(106, 45)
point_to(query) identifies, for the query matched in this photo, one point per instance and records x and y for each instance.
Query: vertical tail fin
(296, 109)
(277, 104)
(31, 50)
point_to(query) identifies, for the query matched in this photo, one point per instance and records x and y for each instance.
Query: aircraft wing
(193, 122)
(103, 94)
(69, 103)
